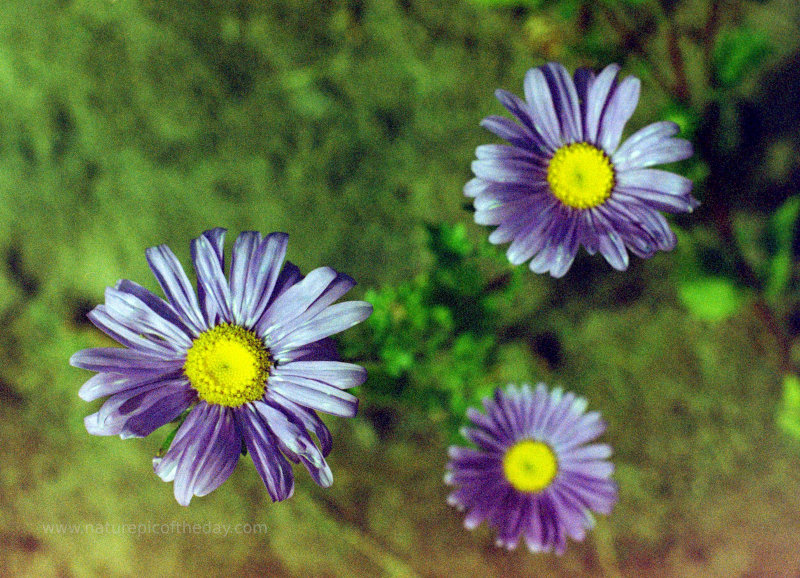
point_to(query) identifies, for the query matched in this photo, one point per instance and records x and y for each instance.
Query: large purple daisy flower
(533, 474)
(249, 357)
(565, 180)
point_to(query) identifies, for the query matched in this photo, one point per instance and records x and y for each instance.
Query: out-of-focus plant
(788, 416)
(740, 249)
(433, 338)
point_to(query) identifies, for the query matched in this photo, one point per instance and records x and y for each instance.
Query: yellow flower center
(228, 365)
(530, 466)
(580, 175)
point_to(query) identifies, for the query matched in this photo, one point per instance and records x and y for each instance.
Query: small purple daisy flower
(533, 474)
(565, 180)
(250, 358)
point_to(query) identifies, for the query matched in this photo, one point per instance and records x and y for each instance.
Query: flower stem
(606, 555)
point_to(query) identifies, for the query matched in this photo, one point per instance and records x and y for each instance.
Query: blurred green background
(351, 125)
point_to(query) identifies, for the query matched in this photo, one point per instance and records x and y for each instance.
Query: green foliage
(406, 325)
(685, 117)
(781, 230)
(511, 3)
(710, 298)
(434, 337)
(706, 285)
(171, 435)
(768, 246)
(788, 416)
(738, 51)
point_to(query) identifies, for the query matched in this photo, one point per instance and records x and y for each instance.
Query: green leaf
(782, 226)
(788, 416)
(737, 51)
(686, 118)
(710, 298)
(512, 3)
(168, 440)
(397, 361)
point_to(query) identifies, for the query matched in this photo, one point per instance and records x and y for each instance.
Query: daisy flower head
(249, 356)
(533, 474)
(564, 180)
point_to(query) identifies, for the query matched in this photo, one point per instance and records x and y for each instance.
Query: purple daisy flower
(533, 474)
(250, 358)
(566, 181)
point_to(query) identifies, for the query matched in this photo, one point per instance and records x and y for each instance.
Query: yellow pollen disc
(228, 365)
(530, 466)
(580, 175)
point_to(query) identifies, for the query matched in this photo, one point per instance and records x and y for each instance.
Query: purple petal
(176, 286)
(125, 361)
(508, 210)
(296, 443)
(203, 454)
(485, 440)
(155, 303)
(509, 130)
(503, 152)
(322, 350)
(562, 247)
(105, 384)
(650, 146)
(262, 446)
(258, 267)
(642, 225)
(130, 337)
(619, 110)
(565, 100)
(474, 187)
(512, 193)
(333, 319)
(535, 532)
(656, 200)
(509, 171)
(314, 395)
(514, 518)
(655, 180)
(587, 428)
(598, 495)
(584, 79)
(296, 299)
(335, 373)
(609, 242)
(306, 418)
(139, 412)
(520, 109)
(212, 287)
(140, 316)
(596, 469)
(540, 100)
(580, 453)
(509, 229)
(598, 99)
(571, 516)
(483, 509)
(314, 312)
(553, 532)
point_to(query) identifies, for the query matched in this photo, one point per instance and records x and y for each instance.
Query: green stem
(604, 545)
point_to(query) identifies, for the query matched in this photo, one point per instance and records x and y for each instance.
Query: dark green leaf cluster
(432, 339)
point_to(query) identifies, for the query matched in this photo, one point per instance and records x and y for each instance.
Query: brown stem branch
(712, 27)
(631, 42)
(681, 87)
(709, 38)
(723, 223)
(771, 322)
